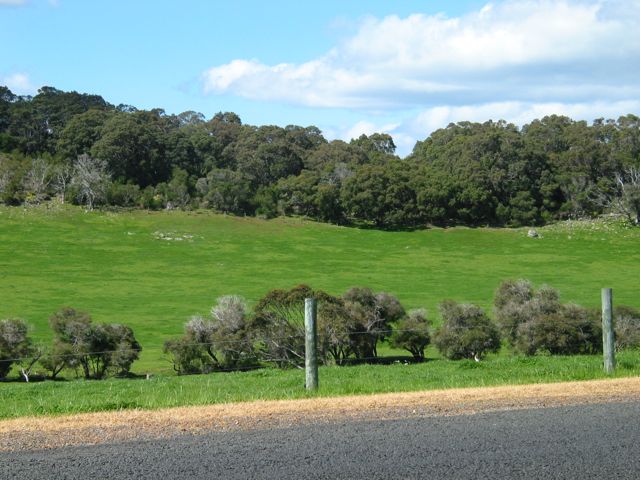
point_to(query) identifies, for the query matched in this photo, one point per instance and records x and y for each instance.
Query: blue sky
(348, 67)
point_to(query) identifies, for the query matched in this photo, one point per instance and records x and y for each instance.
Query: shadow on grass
(390, 360)
(32, 379)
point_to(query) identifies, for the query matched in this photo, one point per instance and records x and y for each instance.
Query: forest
(80, 148)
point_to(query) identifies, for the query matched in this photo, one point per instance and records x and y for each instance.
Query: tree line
(79, 148)
(351, 327)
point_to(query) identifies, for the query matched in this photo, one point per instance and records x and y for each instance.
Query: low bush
(277, 327)
(535, 321)
(627, 327)
(187, 356)
(412, 333)
(16, 347)
(517, 302)
(466, 332)
(372, 315)
(96, 349)
(336, 332)
(568, 331)
(221, 342)
(351, 325)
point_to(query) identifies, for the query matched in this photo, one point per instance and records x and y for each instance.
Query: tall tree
(81, 132)
(133, 145)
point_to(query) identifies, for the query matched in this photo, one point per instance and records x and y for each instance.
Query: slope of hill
(153, 270)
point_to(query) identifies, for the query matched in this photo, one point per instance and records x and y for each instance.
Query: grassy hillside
(152, 270)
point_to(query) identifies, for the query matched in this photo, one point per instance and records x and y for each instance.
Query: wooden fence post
(310, 344)
(608, 337)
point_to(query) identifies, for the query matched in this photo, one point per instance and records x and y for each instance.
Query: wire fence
(347, 337)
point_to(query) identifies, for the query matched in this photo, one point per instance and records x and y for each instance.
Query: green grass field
(153, 270)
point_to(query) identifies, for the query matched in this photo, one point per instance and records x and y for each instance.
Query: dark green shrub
(123, 195)
(96, 349)
(466, 332)
(535, 321)
(149, 199)
(412, 334)
(15, 345)
(126, 348)
(568, 331)
(55, 359)
(187, 357)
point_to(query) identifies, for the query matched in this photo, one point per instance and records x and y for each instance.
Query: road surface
(584, 441)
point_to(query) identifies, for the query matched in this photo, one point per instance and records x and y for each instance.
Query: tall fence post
(310, 344)
(608, 337)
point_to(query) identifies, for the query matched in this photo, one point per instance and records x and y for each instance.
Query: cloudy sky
(348, 67)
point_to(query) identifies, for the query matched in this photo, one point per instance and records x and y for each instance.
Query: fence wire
(281, 339)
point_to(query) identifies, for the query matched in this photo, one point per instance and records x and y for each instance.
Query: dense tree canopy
(491, 173)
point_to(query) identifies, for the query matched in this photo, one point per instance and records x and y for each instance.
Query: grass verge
(56, 398)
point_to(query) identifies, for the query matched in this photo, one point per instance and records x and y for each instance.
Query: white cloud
(420, 126)
(518, 113)
(403, 135)
(20, 3)
(366, 128)
(19, 83)
(517, 50)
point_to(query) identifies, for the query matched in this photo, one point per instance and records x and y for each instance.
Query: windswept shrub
(535, 321)
(517, 302)
(278, 324)
(568, 331)
(198, 331)
(97, 349)
(412, 333)
(126, 348)
(187, 357)
(56, 358)
(16, 347)
(123, 195)
(373, 314)
(216, 343)
(626, 322)
(335, 330)
(466, 332)
(230, 334)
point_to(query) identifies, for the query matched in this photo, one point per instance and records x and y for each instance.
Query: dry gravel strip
(33, 433)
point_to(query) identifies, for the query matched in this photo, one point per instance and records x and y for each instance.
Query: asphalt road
(583, 442)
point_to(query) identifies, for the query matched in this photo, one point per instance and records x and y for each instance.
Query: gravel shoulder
(35, 433)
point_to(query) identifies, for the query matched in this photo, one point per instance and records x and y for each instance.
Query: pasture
(153, 270)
